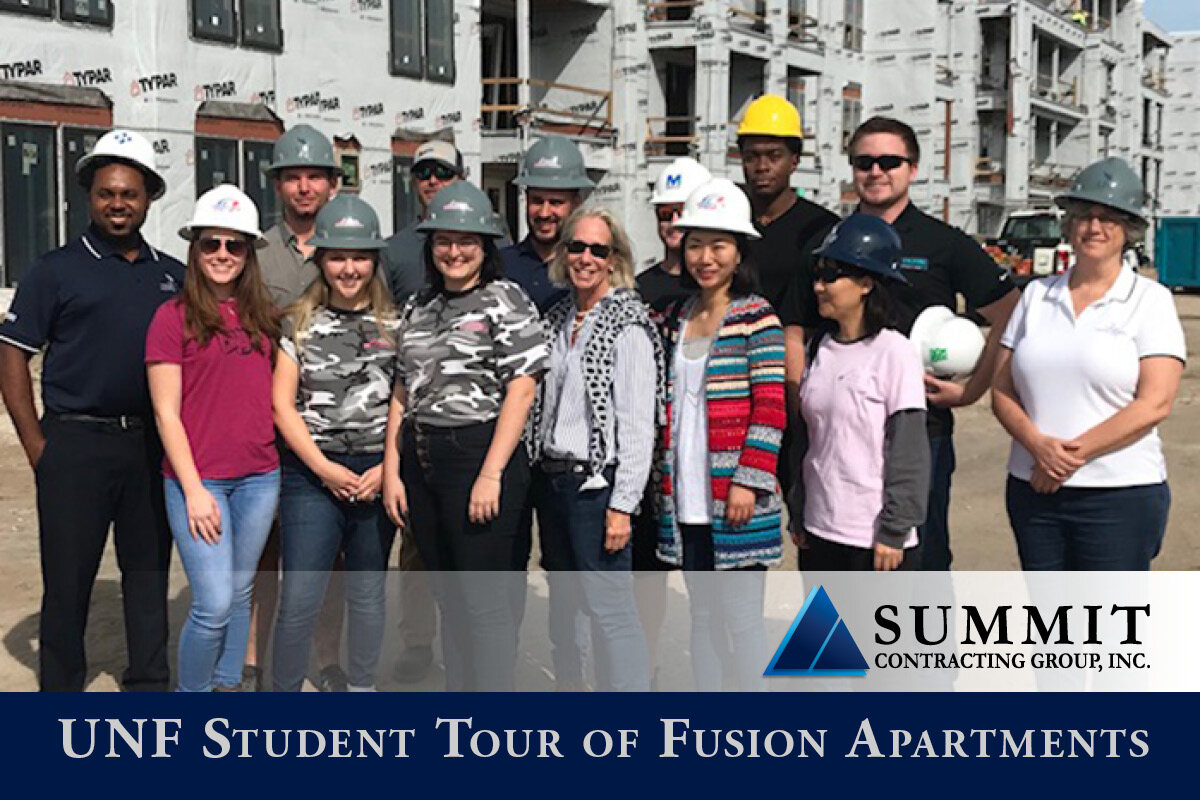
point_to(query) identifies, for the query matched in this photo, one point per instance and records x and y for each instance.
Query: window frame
(402, 187)
(46, 13)
(235, 26)
(106, 22)
(417, 69)
(427, 60)
(269, 47)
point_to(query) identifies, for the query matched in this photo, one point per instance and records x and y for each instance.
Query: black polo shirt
(941, 263)
(90, 308)
(785, 261)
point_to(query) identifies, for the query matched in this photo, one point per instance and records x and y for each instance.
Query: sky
(1175, 15)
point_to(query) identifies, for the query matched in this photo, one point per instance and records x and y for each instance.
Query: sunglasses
(429, 169)
(211, 245)
(828, 272)
(886, 163)
(668, 213)
(576, 247)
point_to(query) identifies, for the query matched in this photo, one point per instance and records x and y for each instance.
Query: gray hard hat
(303, 146)
(464, 208)
(554, 162)
(1110, 182)
(347, 223)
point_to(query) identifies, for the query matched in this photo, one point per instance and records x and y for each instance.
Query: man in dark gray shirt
(436, 164)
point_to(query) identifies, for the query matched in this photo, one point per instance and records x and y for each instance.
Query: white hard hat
(225, 206)
(949, 345)
(718, 205)
(126, 146)
(678, 180)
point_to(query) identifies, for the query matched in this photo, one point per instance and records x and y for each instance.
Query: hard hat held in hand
(678, 180)
(949, 345)
(127, 147)
(719, 205)
(225, 206)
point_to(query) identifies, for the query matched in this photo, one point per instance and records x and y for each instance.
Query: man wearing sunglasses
(95, 454)
(436, 164)
(554, 178)
(941, 263)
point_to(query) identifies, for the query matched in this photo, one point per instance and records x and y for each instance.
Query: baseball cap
(437, 150)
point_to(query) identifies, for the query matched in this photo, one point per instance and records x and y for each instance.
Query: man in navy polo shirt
(941, 263)
(96, 456)
(554, 178)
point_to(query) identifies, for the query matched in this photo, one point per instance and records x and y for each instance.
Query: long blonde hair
(317, 296)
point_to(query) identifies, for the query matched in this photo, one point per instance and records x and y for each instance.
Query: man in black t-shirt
(660, 284)
(769, 139)
(941, 263)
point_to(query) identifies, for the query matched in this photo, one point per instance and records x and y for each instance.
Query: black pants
(476, 569)
(93, 475)
(823, 555)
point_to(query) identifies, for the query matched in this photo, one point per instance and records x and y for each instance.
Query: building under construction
(1009, 97)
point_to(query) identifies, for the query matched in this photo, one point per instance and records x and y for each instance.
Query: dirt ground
(981, 536)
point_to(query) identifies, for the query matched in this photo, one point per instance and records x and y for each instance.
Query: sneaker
(252, 679)
(332, 679)
(413, 664)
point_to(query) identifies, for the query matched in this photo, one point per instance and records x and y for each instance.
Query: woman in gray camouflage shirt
(470, 350)
(331, 389)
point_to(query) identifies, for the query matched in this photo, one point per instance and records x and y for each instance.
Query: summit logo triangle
(818, 643)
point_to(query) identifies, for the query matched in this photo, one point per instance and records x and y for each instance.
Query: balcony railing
(801, 31)
(1060, 91)
(744, 18)
(670, 136)
(671, 10)
(988, 171)
(590, 116)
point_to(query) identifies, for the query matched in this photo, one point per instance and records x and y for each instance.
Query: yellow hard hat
(771, 115)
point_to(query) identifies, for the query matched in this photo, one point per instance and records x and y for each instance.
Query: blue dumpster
(1177, 252)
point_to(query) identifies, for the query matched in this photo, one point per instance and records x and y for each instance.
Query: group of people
(293, 399)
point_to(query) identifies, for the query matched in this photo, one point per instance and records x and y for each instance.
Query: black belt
(558, 466)
(123, 422)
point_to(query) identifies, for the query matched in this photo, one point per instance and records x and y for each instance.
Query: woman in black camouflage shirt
(470, 350)
(331, 390)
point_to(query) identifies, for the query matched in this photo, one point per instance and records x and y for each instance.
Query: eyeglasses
(829, 272)
(429, 169)
(668, 213)
(210, 245)
(886, 163)
(576, 247)
(1108, 219)
(461, 244)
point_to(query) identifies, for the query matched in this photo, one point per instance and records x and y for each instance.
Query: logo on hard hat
(937, 354)
(457, 205)
(674, 181)
(122, 137)
(348, 222)
(226, 204)
(547, 162)
(712, 202)
(303, 152)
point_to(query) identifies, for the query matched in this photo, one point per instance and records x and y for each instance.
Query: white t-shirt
(1072, 374)
(693, 478)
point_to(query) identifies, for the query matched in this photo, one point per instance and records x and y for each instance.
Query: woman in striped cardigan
(719, 499)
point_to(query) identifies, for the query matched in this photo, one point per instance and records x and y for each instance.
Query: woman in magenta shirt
(208, 356)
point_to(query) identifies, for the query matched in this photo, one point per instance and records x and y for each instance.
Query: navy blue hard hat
(866, 242)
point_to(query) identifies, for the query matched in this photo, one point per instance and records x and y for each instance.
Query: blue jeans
(727, 607)
(585, 577)
(212, 644)
(314, 526)
(1088, 529)
(933, 538)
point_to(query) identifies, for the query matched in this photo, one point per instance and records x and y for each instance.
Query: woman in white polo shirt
(1091, 364)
